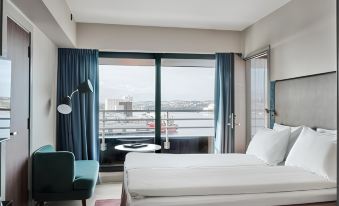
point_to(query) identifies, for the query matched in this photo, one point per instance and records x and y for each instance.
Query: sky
(178, 83)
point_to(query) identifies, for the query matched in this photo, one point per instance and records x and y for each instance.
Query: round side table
(148, 148)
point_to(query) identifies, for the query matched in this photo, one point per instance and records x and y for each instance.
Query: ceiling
(201, 14)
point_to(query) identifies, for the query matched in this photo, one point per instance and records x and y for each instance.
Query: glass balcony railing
(189, 131)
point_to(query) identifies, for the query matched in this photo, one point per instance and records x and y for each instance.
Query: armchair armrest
(52, 172)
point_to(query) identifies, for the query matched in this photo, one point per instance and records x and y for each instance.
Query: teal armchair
(57, 176)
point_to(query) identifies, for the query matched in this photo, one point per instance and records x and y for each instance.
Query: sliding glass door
(187, 105)
(151, 98)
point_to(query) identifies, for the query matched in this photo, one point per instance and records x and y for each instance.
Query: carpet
(110, 202)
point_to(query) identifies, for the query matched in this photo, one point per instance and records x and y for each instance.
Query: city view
(129, 112)
(113, 104)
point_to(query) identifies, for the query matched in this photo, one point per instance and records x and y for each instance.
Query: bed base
(124, 201)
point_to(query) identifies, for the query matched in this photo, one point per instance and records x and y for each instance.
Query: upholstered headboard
(309, 101)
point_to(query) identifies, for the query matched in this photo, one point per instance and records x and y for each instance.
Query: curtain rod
(142, 55)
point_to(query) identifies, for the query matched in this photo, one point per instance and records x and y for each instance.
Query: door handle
(13, 133)
(233, 123)
(232, 118)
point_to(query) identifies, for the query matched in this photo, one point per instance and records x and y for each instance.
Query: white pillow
(295, 132)
(321, 130)
(315, 152)
(269, 145)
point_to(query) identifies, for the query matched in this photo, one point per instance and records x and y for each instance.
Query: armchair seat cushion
(86, 174)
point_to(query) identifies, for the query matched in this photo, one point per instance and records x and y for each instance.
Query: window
(127, 105)
(129, 98)
(259, 92)
(187, 105)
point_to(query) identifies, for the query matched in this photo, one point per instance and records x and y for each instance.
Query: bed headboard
(309, 101)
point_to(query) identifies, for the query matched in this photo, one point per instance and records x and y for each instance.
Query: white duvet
(167, 182)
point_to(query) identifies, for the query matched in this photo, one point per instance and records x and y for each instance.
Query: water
(193, 123)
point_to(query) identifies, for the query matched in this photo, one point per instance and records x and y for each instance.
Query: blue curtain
(224, 103)
(77, 132)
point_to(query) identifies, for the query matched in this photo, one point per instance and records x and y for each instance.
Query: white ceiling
(202, 14)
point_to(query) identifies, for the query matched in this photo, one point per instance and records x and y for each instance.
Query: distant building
(126, 104)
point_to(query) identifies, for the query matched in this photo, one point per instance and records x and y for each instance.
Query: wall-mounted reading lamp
(66, 105)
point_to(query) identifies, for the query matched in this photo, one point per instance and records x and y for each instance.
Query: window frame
(157, 57)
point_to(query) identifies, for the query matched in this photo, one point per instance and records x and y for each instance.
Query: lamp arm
(75, 91)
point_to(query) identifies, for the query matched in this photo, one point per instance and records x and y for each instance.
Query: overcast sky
(178, 83)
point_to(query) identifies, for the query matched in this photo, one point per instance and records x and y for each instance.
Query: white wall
(43, 82)
(156, 39)
(302, 35)
(52, 17)
(44, 73)
(62, 15)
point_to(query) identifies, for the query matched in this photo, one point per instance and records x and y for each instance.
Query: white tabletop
(148, 148)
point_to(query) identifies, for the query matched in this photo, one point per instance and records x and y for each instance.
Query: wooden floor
(110, 188)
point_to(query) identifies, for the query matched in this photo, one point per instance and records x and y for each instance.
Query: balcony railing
(141, 123)
(189, 131)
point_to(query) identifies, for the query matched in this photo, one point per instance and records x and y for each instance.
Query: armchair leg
(83, 202)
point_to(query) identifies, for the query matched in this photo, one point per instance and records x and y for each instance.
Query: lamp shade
(65, 106)
(85, 87)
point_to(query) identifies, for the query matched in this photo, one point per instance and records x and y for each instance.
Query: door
(17, 148)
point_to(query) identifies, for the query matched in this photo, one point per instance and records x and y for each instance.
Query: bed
(164, 182)
(239, 179)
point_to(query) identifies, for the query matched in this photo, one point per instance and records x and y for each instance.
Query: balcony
(189, 131)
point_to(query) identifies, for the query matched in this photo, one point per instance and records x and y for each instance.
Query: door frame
(12, 12)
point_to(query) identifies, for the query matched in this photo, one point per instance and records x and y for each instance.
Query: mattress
(153, 160)
(262, 199)
(169, 182)
(137, 161)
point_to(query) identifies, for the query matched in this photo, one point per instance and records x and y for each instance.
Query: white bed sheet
(165, 182)
(153, 160)
(263, 199)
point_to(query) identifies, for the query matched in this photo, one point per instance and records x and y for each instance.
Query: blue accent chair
(56, 176)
